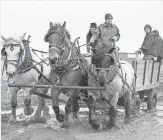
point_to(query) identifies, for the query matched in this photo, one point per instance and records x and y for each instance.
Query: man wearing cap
(147, 43)
(93, 27)
(106, 33)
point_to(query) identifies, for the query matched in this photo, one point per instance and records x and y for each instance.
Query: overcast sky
(33, 17)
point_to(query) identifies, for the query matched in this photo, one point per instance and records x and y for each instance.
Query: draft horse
(65, 69)
(17, 64)
(117, 78)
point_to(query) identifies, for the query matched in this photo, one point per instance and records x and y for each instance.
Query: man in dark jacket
(157, 46)
(93, 27)
(106, 33)
(147, 43)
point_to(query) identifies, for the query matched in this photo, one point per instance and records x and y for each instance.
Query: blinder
(3, 52)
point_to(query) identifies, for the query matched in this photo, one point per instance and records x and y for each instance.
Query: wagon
(148, 76)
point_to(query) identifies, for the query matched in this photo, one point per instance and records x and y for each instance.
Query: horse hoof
(37, 120)
(75, 116)
(12, 119)
(96, 124)
(100, 127)
(65, 125)
(28, 111)
(47, 116)
(151, 111)
(113, 125)
(60, 117)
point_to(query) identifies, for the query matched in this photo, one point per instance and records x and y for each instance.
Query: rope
(39, 51)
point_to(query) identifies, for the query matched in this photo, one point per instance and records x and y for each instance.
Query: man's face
(147, 30)
(92, 30)
(108, 20)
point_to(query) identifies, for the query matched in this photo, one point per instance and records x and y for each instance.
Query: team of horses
(69, 68)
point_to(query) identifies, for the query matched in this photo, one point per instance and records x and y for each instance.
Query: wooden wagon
(149, 75)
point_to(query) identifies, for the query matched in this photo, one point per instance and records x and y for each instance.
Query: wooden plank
(155, 72)
(141, 88)
(159, 71)
(144, 74)
(152, 72)
(53, 86)
(148, 72)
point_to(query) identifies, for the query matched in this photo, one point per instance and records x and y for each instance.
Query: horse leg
(68, 106)
(41, 107)
(55, 97)
(113, 110)
(127, 95)
(96, 124)
(75, 107)
(41, 102)
(46, 114)
(28, 110)
(13, 92)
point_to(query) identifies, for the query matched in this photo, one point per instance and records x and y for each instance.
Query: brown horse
(117, 78)
(65, 69)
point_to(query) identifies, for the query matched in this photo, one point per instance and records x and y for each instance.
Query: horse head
(59, 42)
(12, 49)
(106, 65)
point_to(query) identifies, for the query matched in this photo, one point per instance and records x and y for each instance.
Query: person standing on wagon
(93, 27)
(147, 43)
(106, 33)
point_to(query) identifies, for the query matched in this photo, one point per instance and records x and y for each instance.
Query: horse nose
(53, 61)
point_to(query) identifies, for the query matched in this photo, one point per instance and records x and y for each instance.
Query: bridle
(58, 48)
(16, 63)
(61, 47)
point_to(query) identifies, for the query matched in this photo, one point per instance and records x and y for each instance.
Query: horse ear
(4, 39)
(51, 24)
(64, 25)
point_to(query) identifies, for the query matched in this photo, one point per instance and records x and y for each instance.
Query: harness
(71, 63)
(26, 64)
(111, 72)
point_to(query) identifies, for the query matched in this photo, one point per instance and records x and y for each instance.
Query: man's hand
(115, 38)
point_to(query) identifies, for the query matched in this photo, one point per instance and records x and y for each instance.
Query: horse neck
(70, 52)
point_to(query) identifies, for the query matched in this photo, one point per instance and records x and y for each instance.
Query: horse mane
(10, 39)
(55, 27)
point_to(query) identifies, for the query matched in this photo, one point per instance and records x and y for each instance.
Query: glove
(91, 41)
(115, 38)
(88, 48)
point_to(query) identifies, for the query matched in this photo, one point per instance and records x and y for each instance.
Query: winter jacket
(104, 33)
(157, 46)
(147, 43)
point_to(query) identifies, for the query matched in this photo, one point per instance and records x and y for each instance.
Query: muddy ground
(145, 126)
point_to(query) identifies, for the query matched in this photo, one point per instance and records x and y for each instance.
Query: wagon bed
(149, 73)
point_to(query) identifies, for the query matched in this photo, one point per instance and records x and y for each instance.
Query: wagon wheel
(151, 100)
